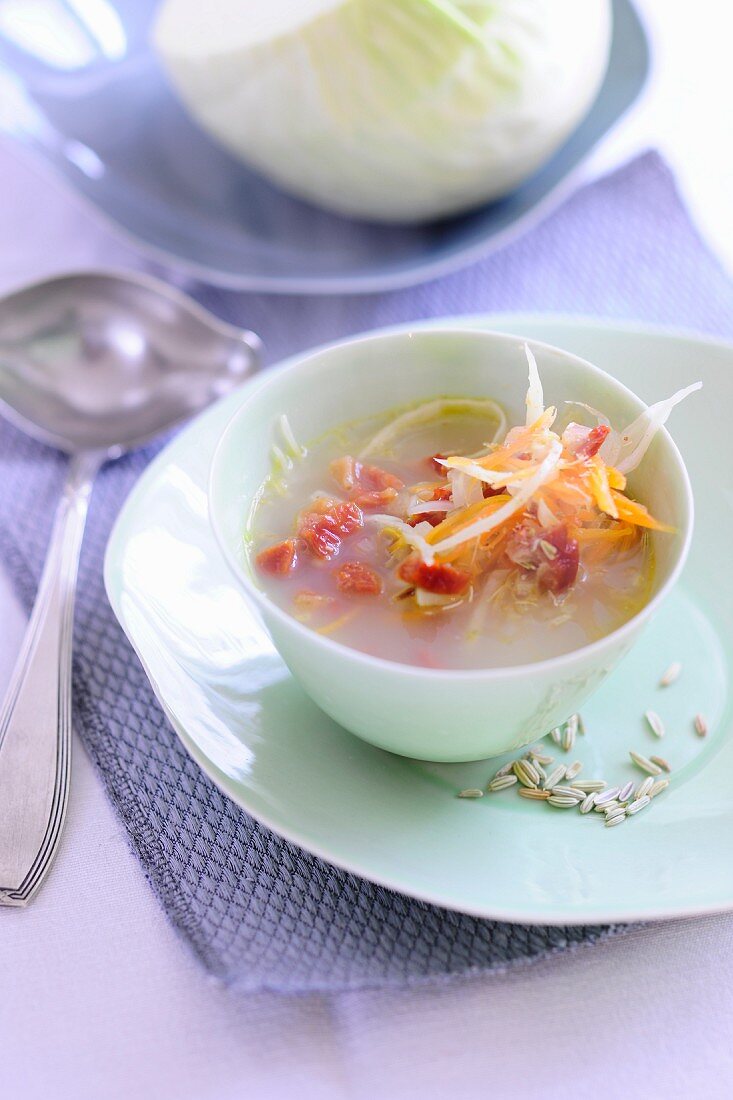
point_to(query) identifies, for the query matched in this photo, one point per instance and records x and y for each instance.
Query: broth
(543, 593)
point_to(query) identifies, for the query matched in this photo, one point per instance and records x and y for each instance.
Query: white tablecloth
(100, 1000)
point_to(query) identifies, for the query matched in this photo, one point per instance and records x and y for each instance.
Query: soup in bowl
(452, 536)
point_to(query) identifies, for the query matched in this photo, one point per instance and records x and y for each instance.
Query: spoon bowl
(101, 361)
(92, 363)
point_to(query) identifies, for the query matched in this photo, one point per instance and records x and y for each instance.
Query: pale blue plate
(82, 89)
(243, 718)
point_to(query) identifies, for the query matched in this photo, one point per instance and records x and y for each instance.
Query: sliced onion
(601, 418)
(546, 516)
(637, 437)
(411, 535)
(432, 410)
(424, 598)
(292, 446)
(535, 399)
(465, 490)
(611, 448)
(431, 506)
(474, 470)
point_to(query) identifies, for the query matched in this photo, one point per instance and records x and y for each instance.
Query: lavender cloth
(257, 911)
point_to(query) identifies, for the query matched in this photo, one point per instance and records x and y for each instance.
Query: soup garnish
(427, 544)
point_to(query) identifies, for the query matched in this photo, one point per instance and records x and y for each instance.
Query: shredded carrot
(637, 514)
(603, 534)
(336, 624)
(615, 479)
(601, 488)
(460, 519)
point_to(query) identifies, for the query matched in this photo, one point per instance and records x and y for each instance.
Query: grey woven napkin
(259, 912)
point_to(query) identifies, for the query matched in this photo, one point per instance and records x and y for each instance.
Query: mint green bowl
(441, 715)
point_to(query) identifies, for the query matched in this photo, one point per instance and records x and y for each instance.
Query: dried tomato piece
(343, 517)
(433, 518)
(557, 572)
(357, 579)
(375, 478)
(345, 472)
(352, 475)
(435, 462)
(320, 539)
(278, 559)
(441, 578)
(441, 492)
(490, 491)
(584, 442)
(594, 441)
(372, 500)
(327, 523)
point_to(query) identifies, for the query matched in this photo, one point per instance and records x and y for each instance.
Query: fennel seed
(589, 785)
(661, 763)
(502, 783)
(561, 800)
(609, 795)
(567, 792)
(625, 793)
(471, 792)
(573, 770)
(671, 674)
(525, 773)
(533, 792)
(540, 758)
(644, 787)
(531, 770)
(658, 787)
(556, 776)
(569, 731)
(645, 764)
(701, 726)
(615, 821)
(588, 803)
(656, 725)
(638, 804)
(504, 770)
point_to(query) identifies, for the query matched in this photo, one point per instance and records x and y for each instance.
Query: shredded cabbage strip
(430, 410)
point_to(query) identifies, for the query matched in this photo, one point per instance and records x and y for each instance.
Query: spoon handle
(35, 719)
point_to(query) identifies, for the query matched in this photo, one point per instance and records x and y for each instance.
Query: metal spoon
(95, 364)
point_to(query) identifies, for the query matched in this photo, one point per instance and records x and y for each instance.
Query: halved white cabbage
(395, 110)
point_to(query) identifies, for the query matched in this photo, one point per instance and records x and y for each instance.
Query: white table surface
(98, 997)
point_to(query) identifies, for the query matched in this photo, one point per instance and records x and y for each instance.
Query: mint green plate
(395, 821)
